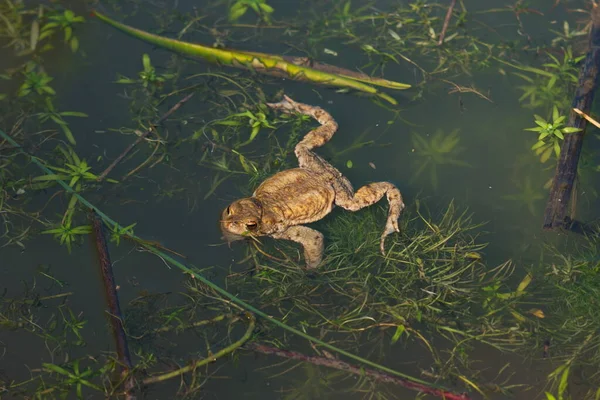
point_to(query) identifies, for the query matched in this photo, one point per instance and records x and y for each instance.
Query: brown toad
(288, 199)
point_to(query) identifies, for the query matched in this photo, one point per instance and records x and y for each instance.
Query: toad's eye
(251, 226)
(228, 211)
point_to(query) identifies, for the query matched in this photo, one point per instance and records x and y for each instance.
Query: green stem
(260, 62)
(214, 357)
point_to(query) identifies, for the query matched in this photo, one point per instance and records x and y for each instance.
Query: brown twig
(344, 366)
(112, 299)
(446, 22)
(143, 136)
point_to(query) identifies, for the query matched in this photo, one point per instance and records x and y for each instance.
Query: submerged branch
(446, 22)
(344, 366)
(557, 207)
(112, 299)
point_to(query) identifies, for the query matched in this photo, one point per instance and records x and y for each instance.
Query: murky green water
(491, 133)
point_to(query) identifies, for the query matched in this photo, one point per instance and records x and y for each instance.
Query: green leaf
(74, 44)
(34, 35)
(125, 81)
(266, 8)
(50, 177)
(346, 9)
(564, 381)
(68, 134)
(146, 62)
(544, 134)
(68, 33)
(48, 90)
(550, 396)
(570, 129)
(538, 145)
(399, 330)
(49, 26)
(558, 134)
(236, 13)
(73, 114)
(254, 132)
(228, 122)
(546, 155)
(556, 148)
(555, 114)
(349, 164)
(53, 231)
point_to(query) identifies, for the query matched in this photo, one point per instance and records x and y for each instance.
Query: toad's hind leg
(318, 136)
(371, 194)
(310, 239)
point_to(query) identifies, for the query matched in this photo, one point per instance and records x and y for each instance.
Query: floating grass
(273, 65)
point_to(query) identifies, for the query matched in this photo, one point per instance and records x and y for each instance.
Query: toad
(286, 201)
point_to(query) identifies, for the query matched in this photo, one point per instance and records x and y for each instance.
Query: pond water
(492, 172)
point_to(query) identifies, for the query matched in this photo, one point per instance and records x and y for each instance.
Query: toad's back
(296, 196)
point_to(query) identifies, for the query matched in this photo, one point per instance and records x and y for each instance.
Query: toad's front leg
(310, 239)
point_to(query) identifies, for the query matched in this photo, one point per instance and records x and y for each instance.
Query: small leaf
(538, 145)
(68, 134)
(546, 155)
(556, 149)
(558, 134)
(35, 34)
(266, 8)
(525, 282)
(349, 164)
(236, 13)
(68, 33)
(570, 129)
(146, 62)
(564, 381)
(74, 44)
(51, 177)
(555, 114)
(73, 114)
(399, 330)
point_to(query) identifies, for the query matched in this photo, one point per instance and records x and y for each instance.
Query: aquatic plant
(260, 7)
(441, 149)
(529, 195)
(551, 134)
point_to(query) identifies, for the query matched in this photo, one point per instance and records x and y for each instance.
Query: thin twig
(446, 22)
(112, 299)
(587, 117)
(344, 366)
(143, 136)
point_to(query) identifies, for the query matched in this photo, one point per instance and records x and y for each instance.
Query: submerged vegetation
(440, 312)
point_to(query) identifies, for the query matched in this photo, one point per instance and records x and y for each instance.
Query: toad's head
(241, 219)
